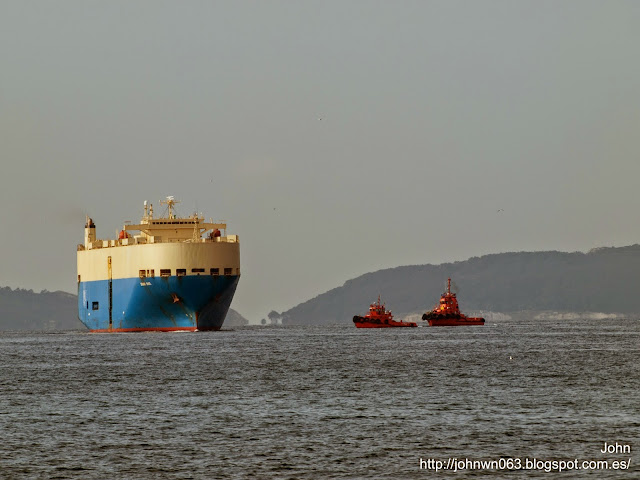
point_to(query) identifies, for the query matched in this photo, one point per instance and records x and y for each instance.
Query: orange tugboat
(447, 313)
(379, 317)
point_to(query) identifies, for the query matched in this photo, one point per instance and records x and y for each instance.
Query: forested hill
(26, 310)
(602, 280)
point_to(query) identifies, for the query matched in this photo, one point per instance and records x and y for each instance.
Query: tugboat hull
(455, 322)
(362, 322)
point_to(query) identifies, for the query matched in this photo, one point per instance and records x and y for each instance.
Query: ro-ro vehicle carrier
(166, 273)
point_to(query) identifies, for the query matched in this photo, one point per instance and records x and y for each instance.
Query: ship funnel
(89, 232)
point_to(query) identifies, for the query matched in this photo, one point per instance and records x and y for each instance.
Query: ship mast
(170, 202)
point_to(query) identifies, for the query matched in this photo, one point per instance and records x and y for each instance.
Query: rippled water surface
(319, 402)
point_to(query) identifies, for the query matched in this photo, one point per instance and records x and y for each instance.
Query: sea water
(324, 402)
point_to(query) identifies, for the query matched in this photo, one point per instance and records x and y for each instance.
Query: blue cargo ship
(164, 274)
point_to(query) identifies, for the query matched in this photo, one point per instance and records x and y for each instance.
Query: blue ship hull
(196, 302)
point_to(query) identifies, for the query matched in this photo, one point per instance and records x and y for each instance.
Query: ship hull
(146, 287)
(363, 322)
(196, 302)
(455, 322)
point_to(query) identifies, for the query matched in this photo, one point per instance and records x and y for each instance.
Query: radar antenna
(170, 202)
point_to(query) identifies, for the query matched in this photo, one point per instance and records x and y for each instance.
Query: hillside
(26, 310)
(602, 280)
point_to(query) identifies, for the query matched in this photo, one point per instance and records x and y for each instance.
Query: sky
(335, 138)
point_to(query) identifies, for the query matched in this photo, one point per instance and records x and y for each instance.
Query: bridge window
(227, 271)
(142, 273)
(181, 272)
(215, 272)
(95, 305)
(165, 272)
(197, 270)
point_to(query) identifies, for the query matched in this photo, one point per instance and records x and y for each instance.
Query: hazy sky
(335, 137)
